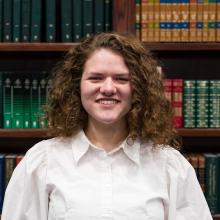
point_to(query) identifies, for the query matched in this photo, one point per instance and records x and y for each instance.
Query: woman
(113, 156)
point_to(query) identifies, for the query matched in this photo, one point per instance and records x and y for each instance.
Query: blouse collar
(81, 144)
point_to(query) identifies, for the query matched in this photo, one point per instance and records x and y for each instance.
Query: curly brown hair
(151, 114)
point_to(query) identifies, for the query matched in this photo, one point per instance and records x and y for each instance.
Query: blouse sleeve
(187, 200)
(26, 196)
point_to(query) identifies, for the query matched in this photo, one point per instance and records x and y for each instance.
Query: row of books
(207, 167)
(22, 100)
(178, 20)
(53, 20)
(8, 162)
(196, 103)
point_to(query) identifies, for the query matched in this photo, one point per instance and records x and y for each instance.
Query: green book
(25, 20)
(50, 18)
(218, 183)
(66, 21)
(17, 103)
(27, 102)
(36, 19)
(77, 20)
(189, 103)
(211, 175)
(7, 20)
(214, 104)
(108, 15)
(7, 103)
(202, 103)
(98, 16)
(1, 99)
(34, 104)
(1, 19)
(87, 24)
(16, 26)
(42, 102)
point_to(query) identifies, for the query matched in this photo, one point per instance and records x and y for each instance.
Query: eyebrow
(117, 74)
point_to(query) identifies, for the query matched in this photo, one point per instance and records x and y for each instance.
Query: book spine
(144, 21)
(193, 19)
(10, 163)
(2, 180)
(201, 171)
(189, 103)
(202, 103)
(27, 102)
(108, 15)
(218, 182)
(1, 99)
(77, 20)
(212, 20)
(87, 18)
(7, 103)
(177, 102)
(157, 20)
(211, 173)
(34, 104)
(217, 20)
(150, 19)
(36, 19)
(50, 15)
(7, 20)
(98, 16)
(1, 19)
(184, 13)
(169, 24)
(214, 104)
(199, 23)
(66, 21)
(137, 18)
(16, 21)
(17, 101)
(168, 89)
(163, 21)
(176, 32)
(205, 20)
(25, 20)
(42, 102)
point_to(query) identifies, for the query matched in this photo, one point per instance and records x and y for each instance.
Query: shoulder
(39, 155)
(168, 158)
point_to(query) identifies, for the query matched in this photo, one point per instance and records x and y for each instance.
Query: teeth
(107, 102)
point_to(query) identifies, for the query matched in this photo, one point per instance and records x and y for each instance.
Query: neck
(106, 137)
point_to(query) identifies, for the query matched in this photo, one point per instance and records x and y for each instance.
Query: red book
(177, 101)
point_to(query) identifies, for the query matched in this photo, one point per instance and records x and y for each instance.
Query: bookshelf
(180, 60)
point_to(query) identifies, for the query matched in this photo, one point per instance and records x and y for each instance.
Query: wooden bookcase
(179, 60)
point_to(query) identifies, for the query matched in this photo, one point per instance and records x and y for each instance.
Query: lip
(106, 99)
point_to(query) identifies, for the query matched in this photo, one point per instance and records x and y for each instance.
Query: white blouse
(69, 178)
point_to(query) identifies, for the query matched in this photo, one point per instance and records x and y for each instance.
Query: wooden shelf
(35, 47)
(183, 46)
(154, 46)
(23, 133)
(216, 217)
(199, 132)
(42, 133)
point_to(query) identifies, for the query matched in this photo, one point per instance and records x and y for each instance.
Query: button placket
(106, 187)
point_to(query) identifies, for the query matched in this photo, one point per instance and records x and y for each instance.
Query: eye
(122, 79)
(95, 78)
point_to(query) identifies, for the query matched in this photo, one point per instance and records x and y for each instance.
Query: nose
(108, 87)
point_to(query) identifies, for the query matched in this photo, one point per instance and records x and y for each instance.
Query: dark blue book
(2, 180)
(77, 20)
(7, 20)
(16, 25)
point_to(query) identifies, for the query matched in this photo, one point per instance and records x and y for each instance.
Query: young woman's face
(106, 88)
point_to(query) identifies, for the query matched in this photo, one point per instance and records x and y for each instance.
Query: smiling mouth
(107, 102)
